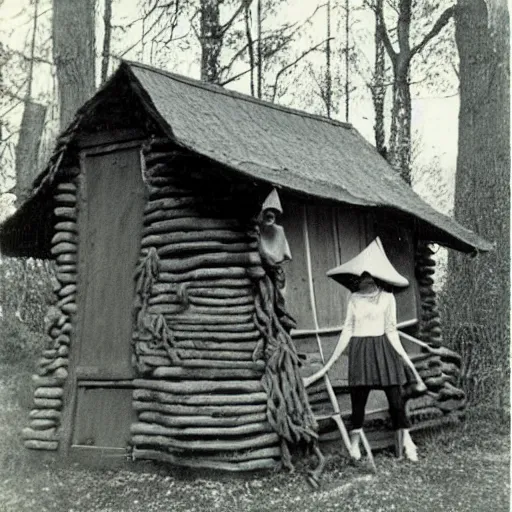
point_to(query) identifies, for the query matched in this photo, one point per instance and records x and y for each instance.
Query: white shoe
(354, 444)
(410, 449)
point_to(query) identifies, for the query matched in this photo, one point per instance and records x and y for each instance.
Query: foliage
(25, 292)
(16, 62)
(19, 344)
(484, 349)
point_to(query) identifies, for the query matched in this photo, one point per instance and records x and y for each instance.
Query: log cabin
(147, 209)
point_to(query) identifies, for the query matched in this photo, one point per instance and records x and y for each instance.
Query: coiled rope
(288, 409)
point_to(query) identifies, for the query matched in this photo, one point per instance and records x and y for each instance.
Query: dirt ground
(463, 468)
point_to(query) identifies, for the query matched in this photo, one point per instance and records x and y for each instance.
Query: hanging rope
(288, 409)
(145, 275)
(145, 323)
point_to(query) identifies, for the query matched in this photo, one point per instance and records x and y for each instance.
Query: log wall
(199, 398)
(52, 368)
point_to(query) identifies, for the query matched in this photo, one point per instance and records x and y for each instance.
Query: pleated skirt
(373, 362)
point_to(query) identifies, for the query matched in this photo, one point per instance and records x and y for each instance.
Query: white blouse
(370, 314)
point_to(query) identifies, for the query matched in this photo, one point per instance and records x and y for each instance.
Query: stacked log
(52, 368)
(199, 398)
(442, 376)
(430, 324)
(440, 370)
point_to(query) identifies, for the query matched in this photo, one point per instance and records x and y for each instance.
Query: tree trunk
(259, 50)
(399, 154)
(400, 131)
(347, 61)
(105, 58)
(31, 128)
(211, 41)
(478, 290)
(73, 54)
(328, 75)
(27, 149)
(250, 44)
(378, 88)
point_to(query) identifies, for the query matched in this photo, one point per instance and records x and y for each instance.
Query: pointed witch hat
(372, 260)
(272, 202)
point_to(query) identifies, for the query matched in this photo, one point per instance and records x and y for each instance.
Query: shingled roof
(288, 148)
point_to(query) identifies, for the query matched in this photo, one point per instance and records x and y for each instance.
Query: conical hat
(272, 201)
(373, 260)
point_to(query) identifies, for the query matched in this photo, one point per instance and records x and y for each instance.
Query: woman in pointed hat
(377, 359)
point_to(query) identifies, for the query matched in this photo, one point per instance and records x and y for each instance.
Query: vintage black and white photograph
(255, 255)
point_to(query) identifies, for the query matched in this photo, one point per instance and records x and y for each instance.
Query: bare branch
(319, 90)
(174, 22)
(385, 36)
(436, 28)
(27, 57)
(15, 105)
(234, 78)
(192, 18)
(244, 4)
(292, 64)
(121, 55)
(274, 51)
(238, 54)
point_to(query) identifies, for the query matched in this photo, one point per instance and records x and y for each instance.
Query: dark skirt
(372, 361)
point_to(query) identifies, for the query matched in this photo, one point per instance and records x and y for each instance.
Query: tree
(31, 127)
(399, 154)
(211, 40)
(377, 85)
(212, 34)
(74, 56)
(478, 289)
(107, 36)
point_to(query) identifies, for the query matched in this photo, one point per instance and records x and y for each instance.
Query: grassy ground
(465, 468)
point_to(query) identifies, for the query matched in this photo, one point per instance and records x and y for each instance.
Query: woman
(377, 359)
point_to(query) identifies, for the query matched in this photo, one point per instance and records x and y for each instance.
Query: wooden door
(110, 223)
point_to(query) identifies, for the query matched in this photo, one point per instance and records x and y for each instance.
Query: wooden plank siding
(330, 298)
(336, 234)
(296, 270)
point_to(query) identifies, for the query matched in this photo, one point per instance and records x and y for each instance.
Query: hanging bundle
(145, 275)
(154, 326)
(288, 409)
